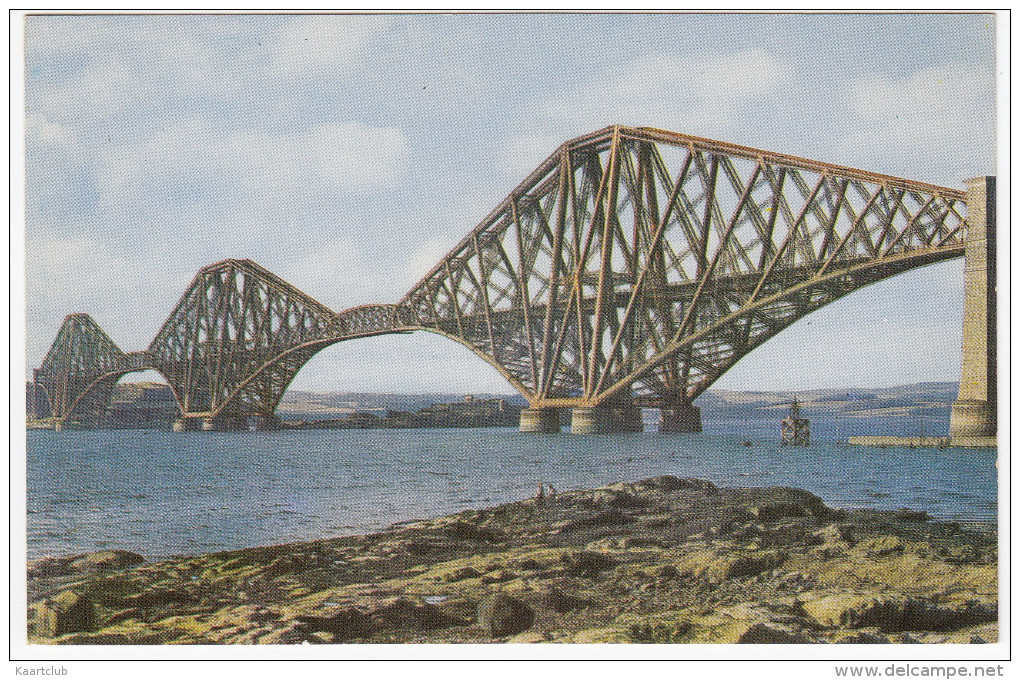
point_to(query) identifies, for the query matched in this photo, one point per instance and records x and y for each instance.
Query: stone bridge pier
(205, 423)
(683, 417)
(540, 420)
(620, 415)
(602, 419)
(974, 413)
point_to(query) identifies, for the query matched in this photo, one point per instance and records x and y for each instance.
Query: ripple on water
(328, 482)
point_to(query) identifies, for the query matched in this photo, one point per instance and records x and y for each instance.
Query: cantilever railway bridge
(632, 268)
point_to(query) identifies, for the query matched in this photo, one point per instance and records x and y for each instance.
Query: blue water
(163, 493)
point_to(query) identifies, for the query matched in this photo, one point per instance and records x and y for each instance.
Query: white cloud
(191, 161)
(81, 273)
(707, 95)
(941, 119)
(101, 90)
(338, 274)
(521, 155)
(919, 104)
(676, 92)
(86, 263)
(39, 129)
(311, 44)
(92, 72)
(427, 256)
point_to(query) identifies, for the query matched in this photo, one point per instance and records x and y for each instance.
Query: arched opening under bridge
(882, 335)
(357, 382)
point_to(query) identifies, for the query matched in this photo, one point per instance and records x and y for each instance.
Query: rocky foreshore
(662, 560)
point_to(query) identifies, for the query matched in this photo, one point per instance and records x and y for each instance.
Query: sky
(348, 154)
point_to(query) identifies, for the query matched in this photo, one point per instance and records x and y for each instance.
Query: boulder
(950, 613)
(585, 563)
(602, 519)
(782, 535)
(500, 615)
(466, 531)
(296, 563)
(771, 633)
(892, 613)
(796, 580)
(716, 567)
(750, 564)
(772, 512)
(401, 612)
(104, 560)
(616, 499)
(68, 612)
(49, 566)
(856, 610)
(460, 573)
(780, 502)
(907, 515)
(529, 564)
(741, 624)
(881, 546)
(627, 543)
(835, 533)
(961, 554)
(560, 602)
(667, 571)
(498, 576)
(346, 624)
(671, 483)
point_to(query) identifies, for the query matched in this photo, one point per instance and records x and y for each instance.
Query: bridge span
(631, 269)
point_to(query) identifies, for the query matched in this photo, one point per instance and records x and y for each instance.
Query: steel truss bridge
(632, 268)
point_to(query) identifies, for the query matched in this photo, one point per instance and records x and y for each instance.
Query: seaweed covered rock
(500, 615)
(68, 612)
(661, 560)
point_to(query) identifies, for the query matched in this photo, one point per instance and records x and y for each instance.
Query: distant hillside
(862, 402)
(153, 405)
(311, 405)
(906, 400)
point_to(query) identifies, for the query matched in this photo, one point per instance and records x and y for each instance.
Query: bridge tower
(974, 413)
(76, 378)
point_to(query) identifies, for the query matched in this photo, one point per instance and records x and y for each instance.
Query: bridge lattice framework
(632, 268)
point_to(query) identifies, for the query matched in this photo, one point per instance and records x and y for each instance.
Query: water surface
(165, 493)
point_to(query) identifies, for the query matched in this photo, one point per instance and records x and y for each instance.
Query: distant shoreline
(923, 408)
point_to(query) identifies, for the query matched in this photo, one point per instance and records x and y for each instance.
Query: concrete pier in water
(187, 425)
(223, 423)
(683, 418)
(606, 419)
(540, 420)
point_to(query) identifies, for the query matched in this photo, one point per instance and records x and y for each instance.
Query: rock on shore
(663, 560)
